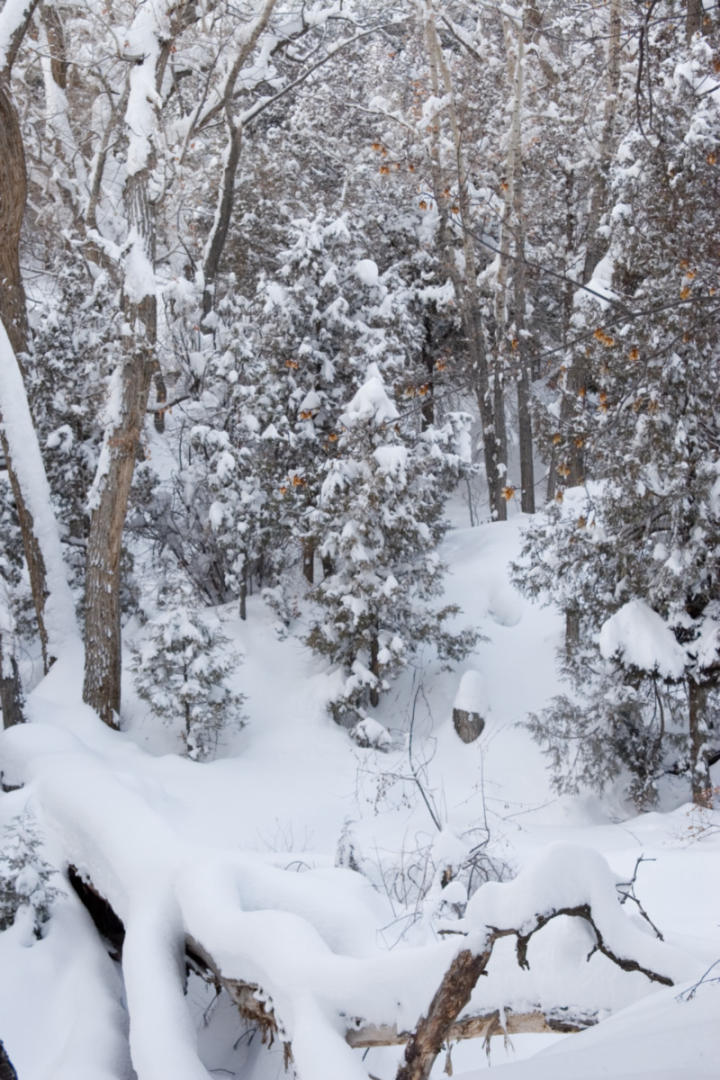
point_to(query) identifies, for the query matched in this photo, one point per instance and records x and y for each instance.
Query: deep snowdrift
(258, 852)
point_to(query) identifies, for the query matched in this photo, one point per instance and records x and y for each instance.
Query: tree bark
(459, 981)
(576, 379)
(244, 589)
(516, 192)
(596, 244)
(694, 14)
(13, 314)
(13, 192)
(450, 999)
(375, 669)
(103, 661)
(308, 561)
(218, 235)
(11, 695)
(7, 1072)
(698, 729)
(487, 384)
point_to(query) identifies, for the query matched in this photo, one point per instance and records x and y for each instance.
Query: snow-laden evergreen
(182, 666)
(381, 511)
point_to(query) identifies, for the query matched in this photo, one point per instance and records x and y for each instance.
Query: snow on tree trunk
(101, 688)
(14, 339)
(129, 391)
(58, 608)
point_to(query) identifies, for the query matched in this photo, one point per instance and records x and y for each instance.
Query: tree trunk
(527, 462)
(596, 244)
(427, 409)
(375, 669)
(693, 18)
(13, 192)
(244, 589)
(576, 381)
(450, 999)
(308, 561)
(487, 385)
(7, 1071)
(572, 631)
(11, 695)
(101, 688)
(523, 370)
(698, 730)
(103, 662)
(218, 235)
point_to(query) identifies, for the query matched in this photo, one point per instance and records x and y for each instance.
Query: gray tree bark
(103, 645)
(486, 379)
(697, 724)
(7, 1072)
(13, 313)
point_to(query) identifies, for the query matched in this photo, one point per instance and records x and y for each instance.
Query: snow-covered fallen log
(295, 951)
(501, 1021)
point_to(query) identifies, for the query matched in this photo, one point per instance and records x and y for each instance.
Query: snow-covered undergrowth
(329, 874)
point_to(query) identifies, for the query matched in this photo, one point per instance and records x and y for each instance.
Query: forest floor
(291, 791)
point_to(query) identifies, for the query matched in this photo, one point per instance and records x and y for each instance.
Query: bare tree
(487, 378)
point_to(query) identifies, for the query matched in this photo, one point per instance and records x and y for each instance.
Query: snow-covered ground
(260, 849)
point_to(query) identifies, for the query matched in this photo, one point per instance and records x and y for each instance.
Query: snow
(600, 284)
(471, 695)
(111, 417)
(667, 1037)
(11, 18)
(256, 855)
(641, 638)
(366, 270)
(391, 460)
(139, 280)
(143, 43)
(371, 402)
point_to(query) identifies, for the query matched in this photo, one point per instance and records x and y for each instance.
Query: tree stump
(469, 707)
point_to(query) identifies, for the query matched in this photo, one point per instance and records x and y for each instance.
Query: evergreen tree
(381, 513)
(181, 670)
(636, 552)
(27, 880)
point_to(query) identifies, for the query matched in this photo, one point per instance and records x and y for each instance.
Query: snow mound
(641, 638)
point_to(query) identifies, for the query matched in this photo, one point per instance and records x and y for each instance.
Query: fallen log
(256, 1007)
(483, 1026)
